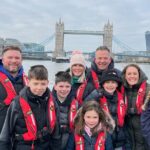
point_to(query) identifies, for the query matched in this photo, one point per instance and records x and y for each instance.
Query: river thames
(53, 67)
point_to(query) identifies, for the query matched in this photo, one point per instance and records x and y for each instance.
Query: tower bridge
(108, 39)
(60, 32)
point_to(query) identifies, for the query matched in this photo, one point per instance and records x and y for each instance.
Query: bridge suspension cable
(49, 39)
(44, 43)
(122, 45)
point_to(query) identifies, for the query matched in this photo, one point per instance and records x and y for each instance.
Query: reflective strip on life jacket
(140, 97)
(73, 111)
(95, 79)
(80, 91)
(11, 93)
(124, 97)
(104, 104)
(30, 135)
(51, 113)
(121, 108)
(79, 142)
(100, 142)
(99, 145)
(30, 121)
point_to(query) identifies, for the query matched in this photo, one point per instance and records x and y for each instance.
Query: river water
(53, 67)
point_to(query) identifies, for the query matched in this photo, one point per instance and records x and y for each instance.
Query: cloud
(34, 20)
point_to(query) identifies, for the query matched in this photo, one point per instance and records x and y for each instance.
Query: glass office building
(147, 37)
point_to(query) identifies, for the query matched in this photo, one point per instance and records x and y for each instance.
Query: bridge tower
(108, 34)
(59, 41)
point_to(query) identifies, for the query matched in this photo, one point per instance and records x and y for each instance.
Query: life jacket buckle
(29, 112)
(51, 108)
(79, 142)
(73, 109)
(6, 80)
(100, 144)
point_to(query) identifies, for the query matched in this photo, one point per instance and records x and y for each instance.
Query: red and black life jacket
(99, 145)
(81, 89)
(124, 97)
(31, 134)
(30, 121)
(72, 113)
(95, 79)
(140, 96)
(80, 92)
(11, 93)
(121, 107)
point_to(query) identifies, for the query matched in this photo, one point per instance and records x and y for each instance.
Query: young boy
(112, 102)
(30, 119)
(67, 107)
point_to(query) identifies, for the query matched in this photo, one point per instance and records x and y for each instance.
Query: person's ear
(55, 87)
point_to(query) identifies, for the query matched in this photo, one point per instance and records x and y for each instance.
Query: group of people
(96, 108)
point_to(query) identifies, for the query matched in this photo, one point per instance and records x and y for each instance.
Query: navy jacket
(145, 124)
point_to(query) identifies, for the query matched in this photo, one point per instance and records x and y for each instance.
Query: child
(67, 107)
(90, 128)
(31, 116)
(111, 100)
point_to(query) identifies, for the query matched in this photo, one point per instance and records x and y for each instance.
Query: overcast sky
(34, 21)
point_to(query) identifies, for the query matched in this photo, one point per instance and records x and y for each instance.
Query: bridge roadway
(83, 32)
(145, 57)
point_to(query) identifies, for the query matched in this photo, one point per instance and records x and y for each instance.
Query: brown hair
(62, 76)
(79, 120)
(130, 65)
(38, 72)
(16, 48)
(101, 48)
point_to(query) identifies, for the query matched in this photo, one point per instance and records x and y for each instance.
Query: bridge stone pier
(107, 34)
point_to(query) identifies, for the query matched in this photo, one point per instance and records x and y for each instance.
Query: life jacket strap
(40, 134)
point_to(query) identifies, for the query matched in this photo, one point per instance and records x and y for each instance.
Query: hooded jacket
(145, 124)
(15, 123)
(131, 93)
(76, 85)
(133, 117)
(100, 72)
(17, 83)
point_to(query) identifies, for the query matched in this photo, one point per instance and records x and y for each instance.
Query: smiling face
(77, 70)
(132, 75)
(102, 59)
(91, 118)
(38, 87)
(110, 86)
(12, 61)
(62, 90)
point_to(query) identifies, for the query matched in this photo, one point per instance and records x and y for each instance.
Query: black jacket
(100, 72)
(88, 89)
(18, 85)
(15, 123)
(133, 118)
(63, 129)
